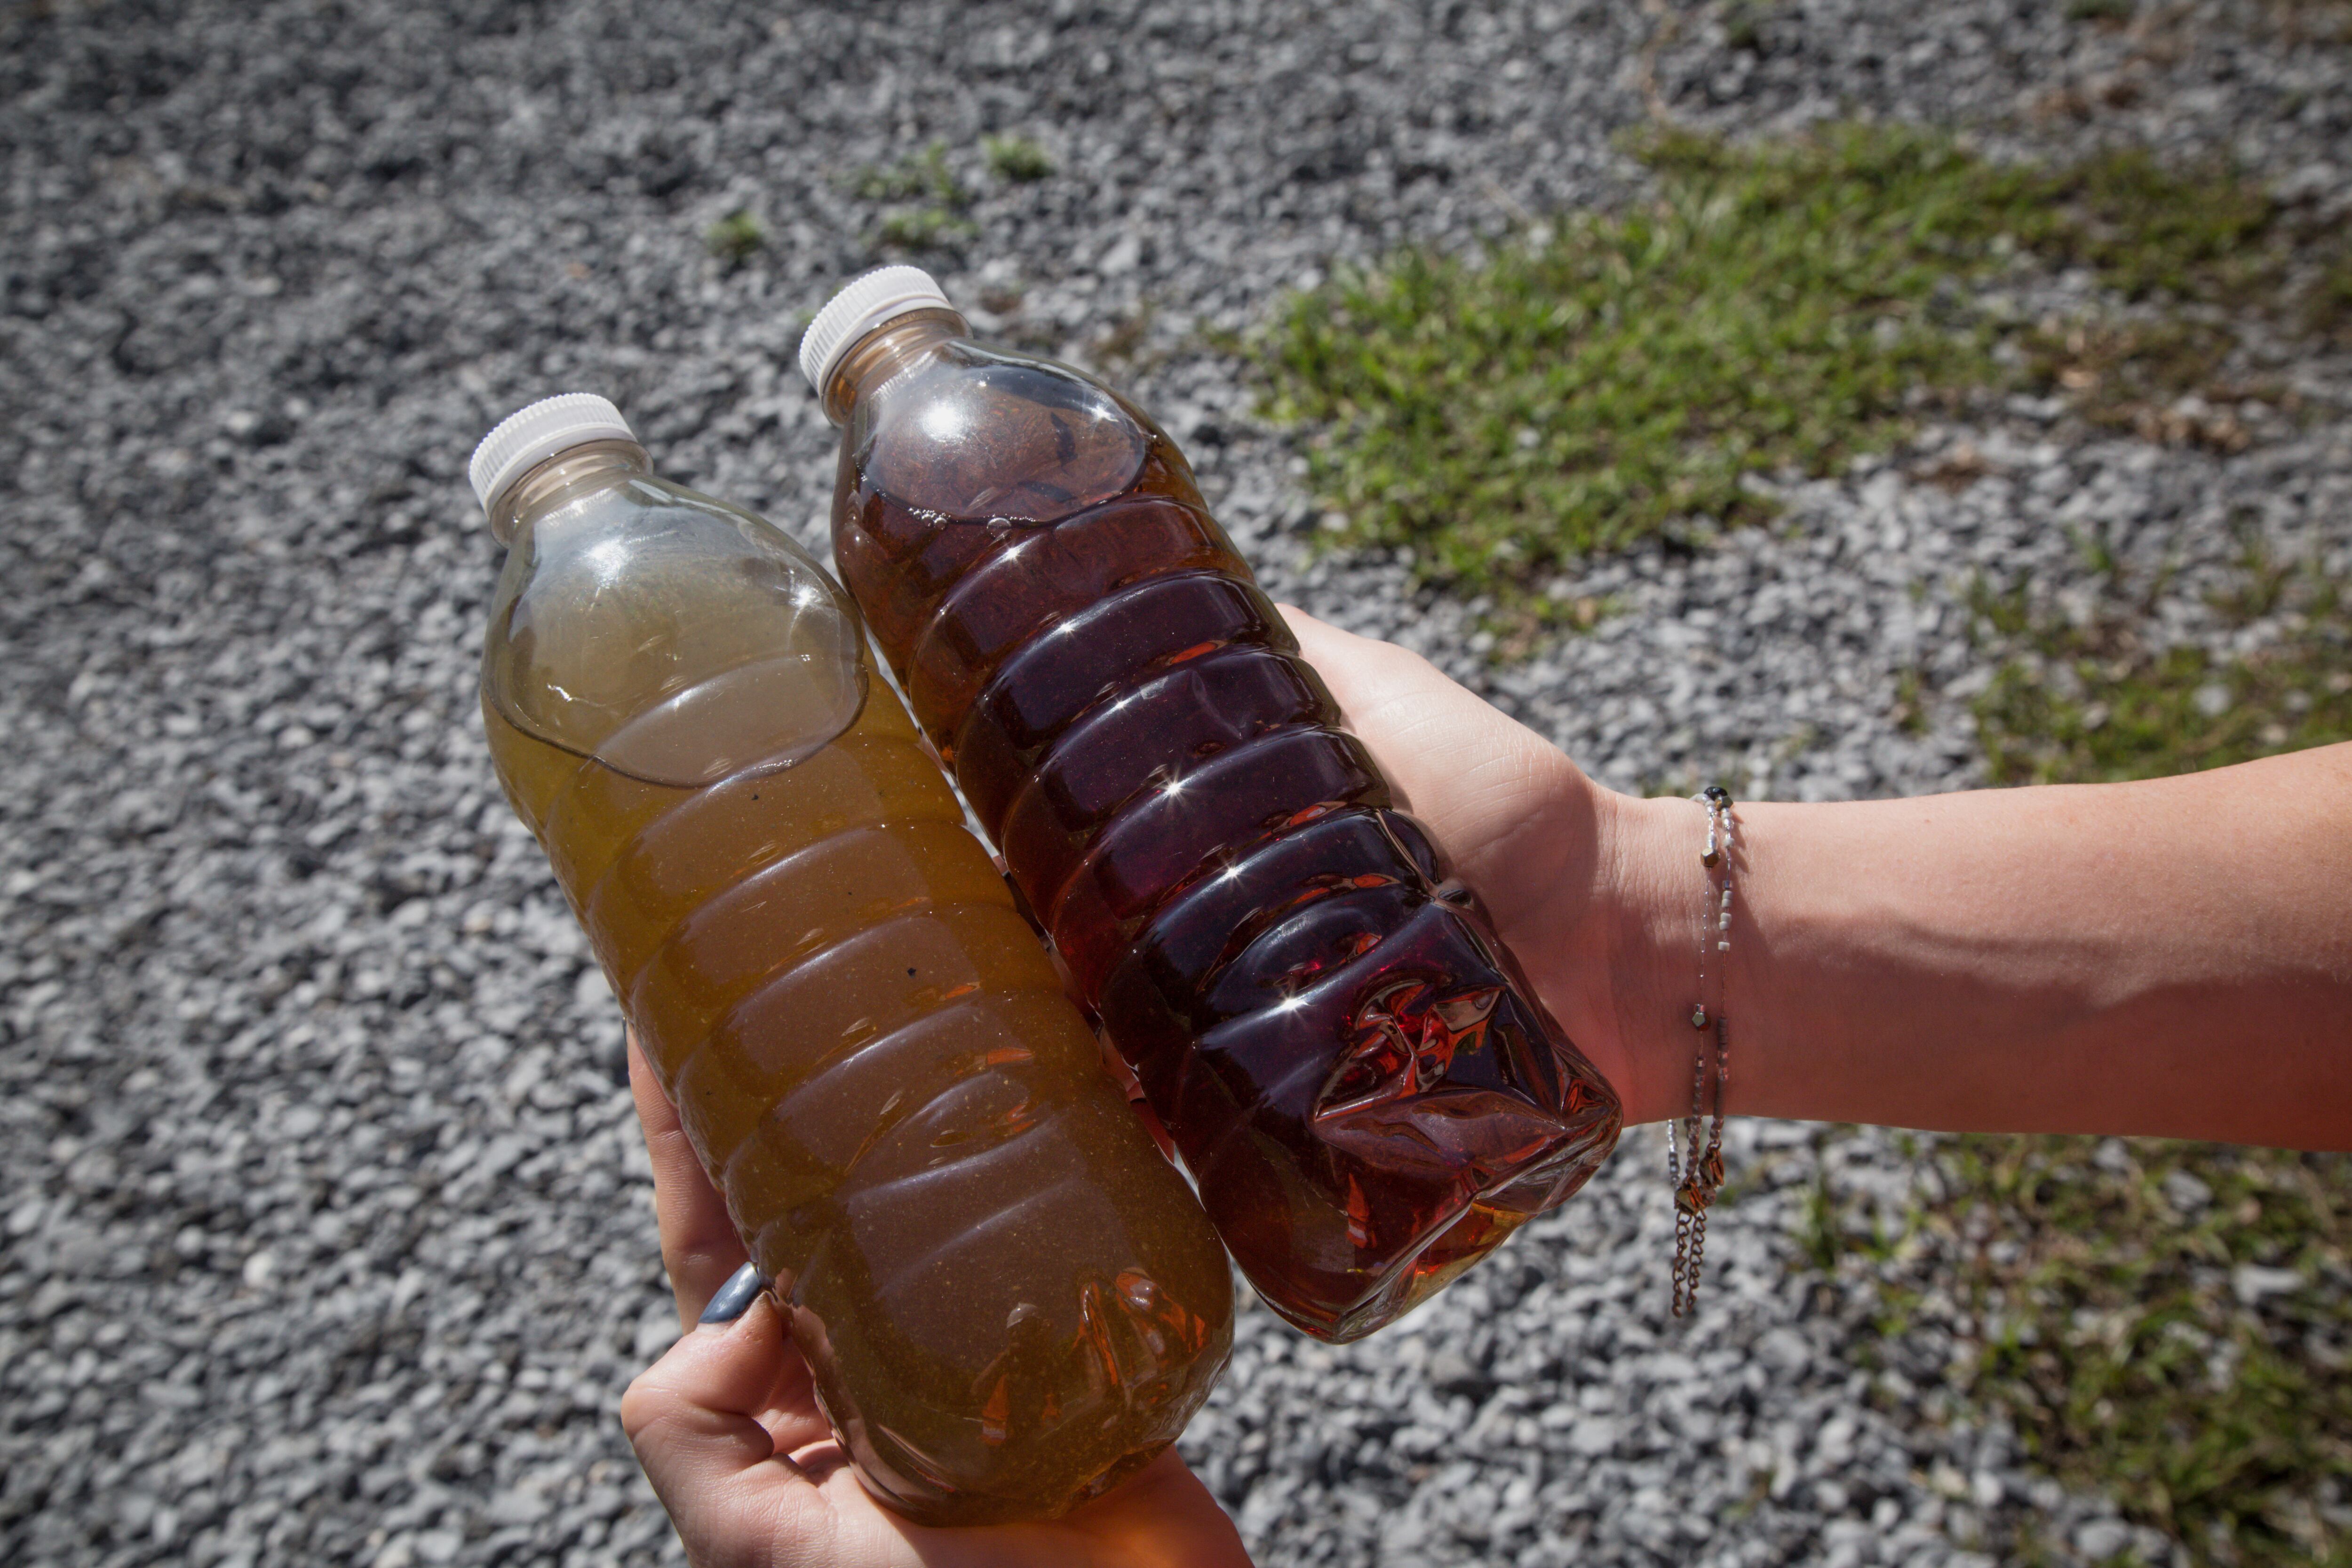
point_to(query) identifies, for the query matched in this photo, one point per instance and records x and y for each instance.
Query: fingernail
(735, 1297)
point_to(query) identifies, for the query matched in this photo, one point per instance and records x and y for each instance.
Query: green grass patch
(925, 200)
(2200, 231)
(920, 176)
(1015, 158)
(923, 229)
(2095, 699)
(735, 237)
(2165, 1322)
(1771, 309)
(1777, 306)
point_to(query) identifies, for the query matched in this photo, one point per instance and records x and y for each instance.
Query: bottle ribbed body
(1365, 1087)
(1007, 1296)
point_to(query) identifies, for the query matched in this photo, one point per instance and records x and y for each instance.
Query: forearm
(2170, 957)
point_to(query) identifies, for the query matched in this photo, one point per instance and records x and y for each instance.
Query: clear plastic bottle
(1368, 1094)
(1009, 1300)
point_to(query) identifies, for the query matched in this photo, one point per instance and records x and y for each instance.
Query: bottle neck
(564, 478)
(886, 353)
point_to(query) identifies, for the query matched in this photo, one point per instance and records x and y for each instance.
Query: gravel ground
(327, 1237)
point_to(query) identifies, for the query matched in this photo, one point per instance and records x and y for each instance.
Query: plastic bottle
(1007, 1297)
(1368, 1093)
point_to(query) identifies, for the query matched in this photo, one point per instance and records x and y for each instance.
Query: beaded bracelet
(1697, 1176)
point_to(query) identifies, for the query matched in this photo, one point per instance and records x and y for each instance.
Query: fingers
(1424, 727)
(1364, 673)
(727, 1428)
(709, 1421)
(699, 1247)
(1494, 792)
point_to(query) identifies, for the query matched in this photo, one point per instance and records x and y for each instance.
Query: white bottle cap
(864, 304)
(523, 441)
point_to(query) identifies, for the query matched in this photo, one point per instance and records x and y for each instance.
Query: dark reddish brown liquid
(1353, 1067)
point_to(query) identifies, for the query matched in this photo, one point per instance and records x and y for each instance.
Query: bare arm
(2171, 957)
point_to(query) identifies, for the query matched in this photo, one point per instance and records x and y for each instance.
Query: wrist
(1619, 971)
(1662, 889)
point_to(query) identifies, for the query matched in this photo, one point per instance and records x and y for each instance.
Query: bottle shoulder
(635, 615)
(980, 433)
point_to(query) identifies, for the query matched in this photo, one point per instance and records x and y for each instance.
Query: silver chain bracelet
(1696, 1170)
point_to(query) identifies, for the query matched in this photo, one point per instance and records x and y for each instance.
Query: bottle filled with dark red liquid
(1367, 1091)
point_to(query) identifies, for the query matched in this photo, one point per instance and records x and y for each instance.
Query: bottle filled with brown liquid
(1008, 1299)
(1367, 1091)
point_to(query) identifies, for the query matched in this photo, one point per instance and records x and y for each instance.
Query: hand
(1564, 865)
(728, 1429)
(1989, 960)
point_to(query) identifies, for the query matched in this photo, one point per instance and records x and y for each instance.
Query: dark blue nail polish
(735, 1297)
